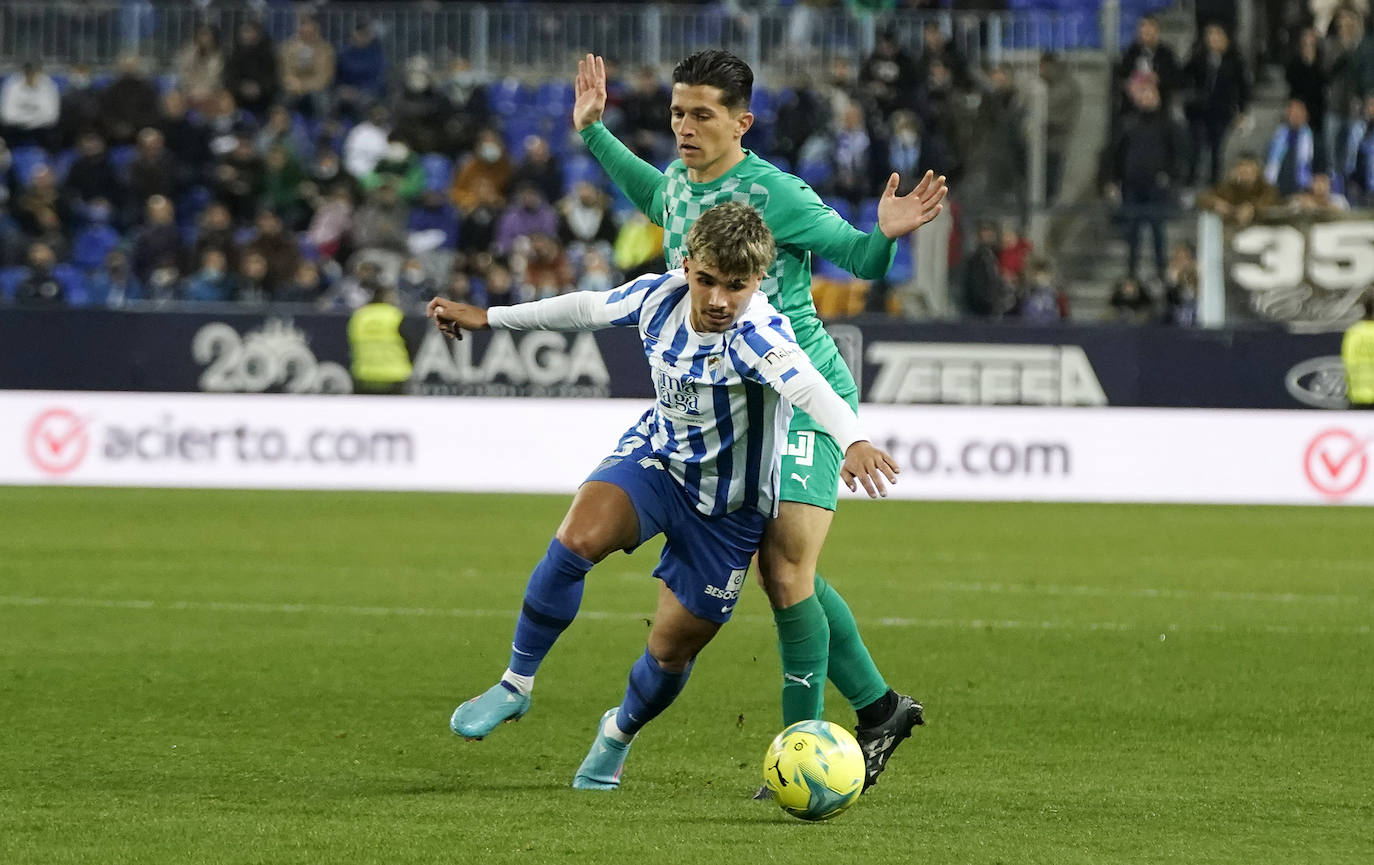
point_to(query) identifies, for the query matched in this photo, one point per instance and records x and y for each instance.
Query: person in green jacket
(381, 362)
(817, 635)
(1357, 353)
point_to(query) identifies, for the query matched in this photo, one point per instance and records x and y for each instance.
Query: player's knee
(669, 657)
(591, 543)
(785, 582)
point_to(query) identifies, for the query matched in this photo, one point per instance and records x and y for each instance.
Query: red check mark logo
(58, 441)
(1336, 462)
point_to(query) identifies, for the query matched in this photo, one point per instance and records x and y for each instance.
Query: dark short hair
(722, 70)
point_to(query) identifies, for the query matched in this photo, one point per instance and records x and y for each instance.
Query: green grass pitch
(191, 676)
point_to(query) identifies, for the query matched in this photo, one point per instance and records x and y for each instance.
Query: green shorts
(811, 463)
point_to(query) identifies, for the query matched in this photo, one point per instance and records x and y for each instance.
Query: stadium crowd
(309, 172)
(1172, 118)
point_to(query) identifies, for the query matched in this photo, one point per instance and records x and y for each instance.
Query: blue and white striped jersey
(719, 422)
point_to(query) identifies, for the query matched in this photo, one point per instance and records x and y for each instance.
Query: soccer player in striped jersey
(701, 467)
(817, 635)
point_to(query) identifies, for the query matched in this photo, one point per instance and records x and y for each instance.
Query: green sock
(851, 667)
(803, 641)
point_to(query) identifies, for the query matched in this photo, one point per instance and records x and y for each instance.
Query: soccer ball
(815, 770)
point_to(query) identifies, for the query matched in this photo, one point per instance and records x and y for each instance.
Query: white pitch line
(1171, 594)
(601, 615)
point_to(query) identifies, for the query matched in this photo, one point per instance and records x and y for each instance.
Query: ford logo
(1318, 381)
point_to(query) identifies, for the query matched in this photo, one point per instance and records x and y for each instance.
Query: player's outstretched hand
(452, 317)
(589, 90)
(868, 465)
(902, 214)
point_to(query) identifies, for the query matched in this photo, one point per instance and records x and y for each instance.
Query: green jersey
(801, 224)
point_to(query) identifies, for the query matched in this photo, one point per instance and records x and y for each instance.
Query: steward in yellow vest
(1357, 352)
(381, 363)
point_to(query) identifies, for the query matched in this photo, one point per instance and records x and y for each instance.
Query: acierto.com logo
(58, 440)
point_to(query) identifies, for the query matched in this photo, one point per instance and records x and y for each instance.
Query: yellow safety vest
(1357, 351)
(379, 353)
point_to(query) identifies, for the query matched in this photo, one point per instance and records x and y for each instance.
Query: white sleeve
(768, 353)
(580, 310)
(808, 390)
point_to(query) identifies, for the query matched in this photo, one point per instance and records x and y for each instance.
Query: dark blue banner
(895, 362)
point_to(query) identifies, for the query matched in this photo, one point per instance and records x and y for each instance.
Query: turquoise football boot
(480, 715)
(601, 769)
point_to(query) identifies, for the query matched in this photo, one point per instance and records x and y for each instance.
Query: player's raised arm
(799, 217)
(641, 182)
(578, 310)
(770, 351)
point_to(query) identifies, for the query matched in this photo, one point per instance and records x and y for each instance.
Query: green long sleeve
(641, 182)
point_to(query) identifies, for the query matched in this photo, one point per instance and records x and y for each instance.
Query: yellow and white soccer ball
(815, 770)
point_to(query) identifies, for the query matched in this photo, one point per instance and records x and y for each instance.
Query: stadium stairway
(1084, 239)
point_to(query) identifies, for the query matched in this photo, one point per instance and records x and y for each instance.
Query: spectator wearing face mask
(158, 245)
(527, 216)
(423, 112)
(199, 66)
(488, 164)
(584, 218)
(467, 96)
(307, 68)
(414, 284)
(539, 168)
(330, 225)
(212, 283)
(114, 285)
(1040, 301)
(910, 153)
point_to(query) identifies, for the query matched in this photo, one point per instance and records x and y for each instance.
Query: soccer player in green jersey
(817, 635)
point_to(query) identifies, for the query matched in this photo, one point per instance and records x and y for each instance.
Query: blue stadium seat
(438, 171)
(62, 163)
(10, 277)
(903, 263)
(122, 156)
(763, 102)
(842, 207)
(26, 160)
(73, 283)
(554, 98)
(815, 172)
(868, 215)
(508, 97)
(92, 244)
(578, 167)
(824, 269)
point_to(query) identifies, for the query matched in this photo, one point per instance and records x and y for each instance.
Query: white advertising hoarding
(529, 445)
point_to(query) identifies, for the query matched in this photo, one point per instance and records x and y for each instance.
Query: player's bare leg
(819, 639)
(656, 679)
(600, 521)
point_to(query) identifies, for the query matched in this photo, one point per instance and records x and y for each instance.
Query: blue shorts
(705, 559)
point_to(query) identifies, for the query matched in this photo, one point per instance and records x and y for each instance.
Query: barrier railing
(535, 39)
